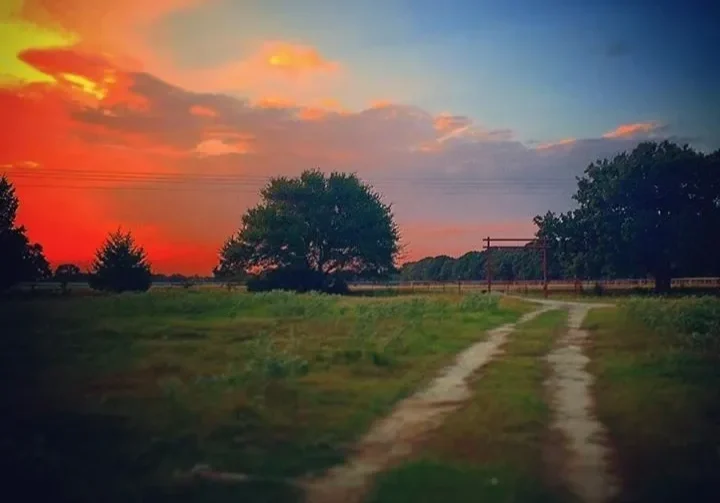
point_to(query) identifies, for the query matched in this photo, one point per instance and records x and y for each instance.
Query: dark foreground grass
(106, 397)
(492, 449)
(658, 391)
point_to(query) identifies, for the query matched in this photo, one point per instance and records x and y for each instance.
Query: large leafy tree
(120, 265)
(313, 232)
(654, 212)
(21, 259)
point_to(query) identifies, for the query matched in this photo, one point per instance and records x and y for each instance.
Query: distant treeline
(83, 277)
(506, 265)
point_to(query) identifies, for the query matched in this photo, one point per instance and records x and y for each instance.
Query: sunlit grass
(131, 388)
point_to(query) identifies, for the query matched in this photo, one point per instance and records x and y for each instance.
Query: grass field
(657, 364)
(492, 449)
(109, 396)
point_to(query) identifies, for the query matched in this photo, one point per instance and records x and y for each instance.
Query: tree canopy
(653, 212)
(507, 265)
(313, 232)
(21, 259)
(120, 265)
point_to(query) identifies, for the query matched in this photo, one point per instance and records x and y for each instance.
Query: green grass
(658, 391)
(492, 449)
(110, 395)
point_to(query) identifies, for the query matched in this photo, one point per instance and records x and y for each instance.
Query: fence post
(459, 287)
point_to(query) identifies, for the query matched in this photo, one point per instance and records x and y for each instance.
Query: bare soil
(582, 459)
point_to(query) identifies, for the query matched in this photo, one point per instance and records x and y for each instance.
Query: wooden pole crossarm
(532, 244)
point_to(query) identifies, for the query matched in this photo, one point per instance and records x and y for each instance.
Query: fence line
(445, 286)
(534, 285)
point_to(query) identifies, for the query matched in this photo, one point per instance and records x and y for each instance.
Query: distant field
(111, 395)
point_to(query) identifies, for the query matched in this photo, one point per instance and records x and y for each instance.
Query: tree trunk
(662, 282)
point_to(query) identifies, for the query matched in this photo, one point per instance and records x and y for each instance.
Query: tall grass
(657, 388)
(692, 322)
(271, 383)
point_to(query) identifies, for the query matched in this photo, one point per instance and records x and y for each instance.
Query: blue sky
(546, 69)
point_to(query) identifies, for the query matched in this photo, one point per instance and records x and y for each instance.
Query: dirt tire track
(393, 439)
(583, 460)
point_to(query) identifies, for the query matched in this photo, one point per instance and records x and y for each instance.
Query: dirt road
(583, 464)
(393, 438)
(585, 453)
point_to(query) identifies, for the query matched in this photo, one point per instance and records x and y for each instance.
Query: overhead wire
(133, 180)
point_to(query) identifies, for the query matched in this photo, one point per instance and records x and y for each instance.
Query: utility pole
(488, 265)
(545, 268)
(533, 243)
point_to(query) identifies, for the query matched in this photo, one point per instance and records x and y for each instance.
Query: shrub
(295, 280)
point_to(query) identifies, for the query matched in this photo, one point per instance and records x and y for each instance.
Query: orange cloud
(277, 71)
(559, 143)
(380, 104)
(214, 146)
(86, 78)
(116, 28)
(446, 123)
(122, 31)
(630, 130)
(330, 104)
(295, 59)
(274, 102)
(312, 114)
(202, 111)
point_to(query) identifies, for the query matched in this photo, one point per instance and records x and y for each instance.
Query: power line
(260, 182)
(245, 178)
(84, 179)
(248, 190)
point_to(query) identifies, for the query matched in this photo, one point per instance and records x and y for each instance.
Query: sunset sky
(166, 117)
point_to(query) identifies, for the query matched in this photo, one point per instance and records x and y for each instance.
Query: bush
(297, 281)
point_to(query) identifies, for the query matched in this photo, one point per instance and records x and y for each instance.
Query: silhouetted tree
(314, 232)
(65, 273)
(120, 265)
(21, 260)
(654, 211)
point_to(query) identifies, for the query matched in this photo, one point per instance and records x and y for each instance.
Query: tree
(313, 232)
(654, 211)
(120, 265)
(21, 259)
(66, 273)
